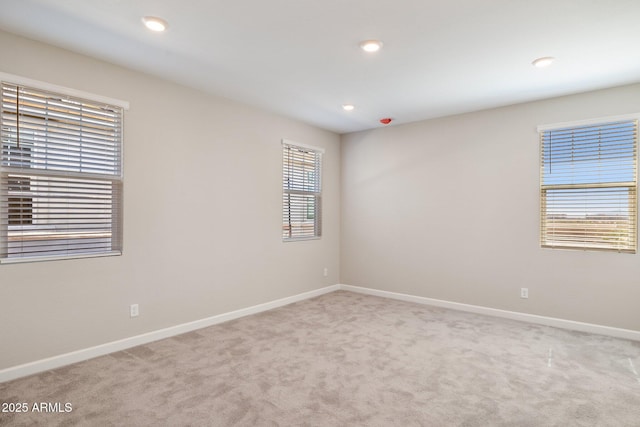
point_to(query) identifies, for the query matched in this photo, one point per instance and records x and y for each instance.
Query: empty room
(319, 213)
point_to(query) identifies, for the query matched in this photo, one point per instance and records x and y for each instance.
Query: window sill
(19, 260)
(300, 239)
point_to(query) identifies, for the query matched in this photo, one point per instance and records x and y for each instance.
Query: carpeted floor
(346, 359)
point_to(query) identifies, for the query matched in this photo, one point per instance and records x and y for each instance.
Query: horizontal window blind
(588, 187)
(60, 176)
(301, 196)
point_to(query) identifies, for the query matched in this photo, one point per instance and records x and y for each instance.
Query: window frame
(42, 175)
(592, 189)
(314, 191)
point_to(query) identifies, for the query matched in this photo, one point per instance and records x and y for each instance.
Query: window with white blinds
(588, 186)
(301, 191)
(60, 176)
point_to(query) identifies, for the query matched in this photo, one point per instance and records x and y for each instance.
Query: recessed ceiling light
(348, 107)
(371, 45)
(543, 62)
(154, 23)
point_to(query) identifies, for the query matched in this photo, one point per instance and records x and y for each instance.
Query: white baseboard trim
(514, 315)
(38, 366)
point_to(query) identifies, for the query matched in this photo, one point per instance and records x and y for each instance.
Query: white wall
(449, 209)
(202, 216)
(445, 208)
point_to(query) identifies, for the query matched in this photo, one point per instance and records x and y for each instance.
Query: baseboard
(514, 315)
(38, 366)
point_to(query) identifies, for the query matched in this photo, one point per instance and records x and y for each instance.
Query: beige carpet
(345, 359)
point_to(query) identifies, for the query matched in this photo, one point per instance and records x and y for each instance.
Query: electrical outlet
(325, 272)
(524, 292)
(134, 310)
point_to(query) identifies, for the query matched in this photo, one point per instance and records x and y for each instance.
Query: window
(60, 176)
(301, 191)
(20, 202)
(588, 185)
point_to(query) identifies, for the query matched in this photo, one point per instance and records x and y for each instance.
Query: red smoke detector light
(386, 120)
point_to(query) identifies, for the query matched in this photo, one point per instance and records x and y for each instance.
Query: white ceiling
(300, 58)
